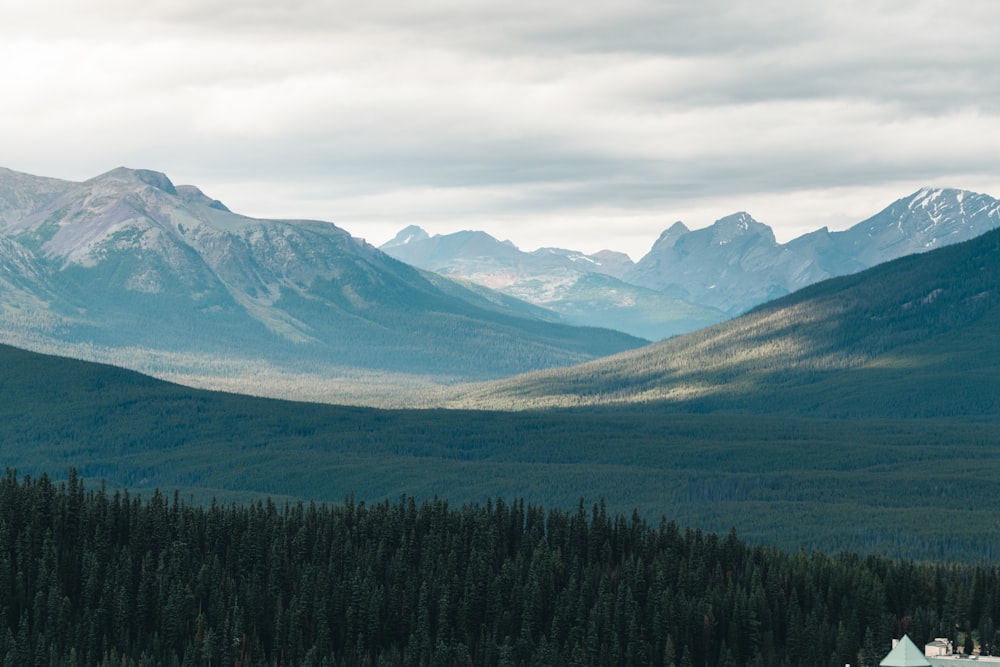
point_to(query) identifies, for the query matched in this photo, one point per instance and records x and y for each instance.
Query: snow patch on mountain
(407, 236)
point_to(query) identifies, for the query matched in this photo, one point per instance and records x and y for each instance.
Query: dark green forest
(91, 577)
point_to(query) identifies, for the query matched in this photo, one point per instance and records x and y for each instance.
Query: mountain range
(914, 337)
(128, 268)
(693, 278)
(585, 290)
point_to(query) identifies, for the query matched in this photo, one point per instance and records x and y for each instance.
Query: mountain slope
(928, 219)
(915, 336)
(128, 264)
(583, 289)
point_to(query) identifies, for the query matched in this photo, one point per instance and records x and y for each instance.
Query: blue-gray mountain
(693, 278)
(583, 289)
(128, 268)
(736, 263)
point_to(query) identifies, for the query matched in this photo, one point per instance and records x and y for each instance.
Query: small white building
(940, 646)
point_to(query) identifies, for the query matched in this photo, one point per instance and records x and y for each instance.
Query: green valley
(914, 487)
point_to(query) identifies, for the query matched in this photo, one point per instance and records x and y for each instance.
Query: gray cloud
(533, 120)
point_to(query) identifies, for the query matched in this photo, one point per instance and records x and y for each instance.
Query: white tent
(905, 654)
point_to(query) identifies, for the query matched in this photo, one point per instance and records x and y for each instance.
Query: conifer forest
(91, 577)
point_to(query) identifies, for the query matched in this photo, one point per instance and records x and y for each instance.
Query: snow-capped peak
(736, 225)
(927, 198)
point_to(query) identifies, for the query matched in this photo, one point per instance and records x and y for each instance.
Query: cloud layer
(581, 124)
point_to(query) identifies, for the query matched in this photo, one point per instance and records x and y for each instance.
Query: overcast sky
(572, 123)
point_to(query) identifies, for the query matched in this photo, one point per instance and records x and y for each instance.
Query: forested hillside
(921, 488)
(93, 578)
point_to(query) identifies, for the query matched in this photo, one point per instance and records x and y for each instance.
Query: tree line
(90, 577)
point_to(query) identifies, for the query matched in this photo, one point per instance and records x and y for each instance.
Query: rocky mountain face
(927, 219)
(730, 265)
(583, 289)
(128, 262)
(736, 263)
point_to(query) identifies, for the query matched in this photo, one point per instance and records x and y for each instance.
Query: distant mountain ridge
(126, 267)
(706, 274)
(584, 289)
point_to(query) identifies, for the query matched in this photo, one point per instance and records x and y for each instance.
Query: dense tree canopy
(93, 578)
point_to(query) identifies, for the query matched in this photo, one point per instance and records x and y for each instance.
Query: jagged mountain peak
(726, 265)
(677, 228)
(669, 236)
(938, 201)
(741, 224)
(926, 193)
(934, 199)
(928, 218)
(926, 197)
(407, 235)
